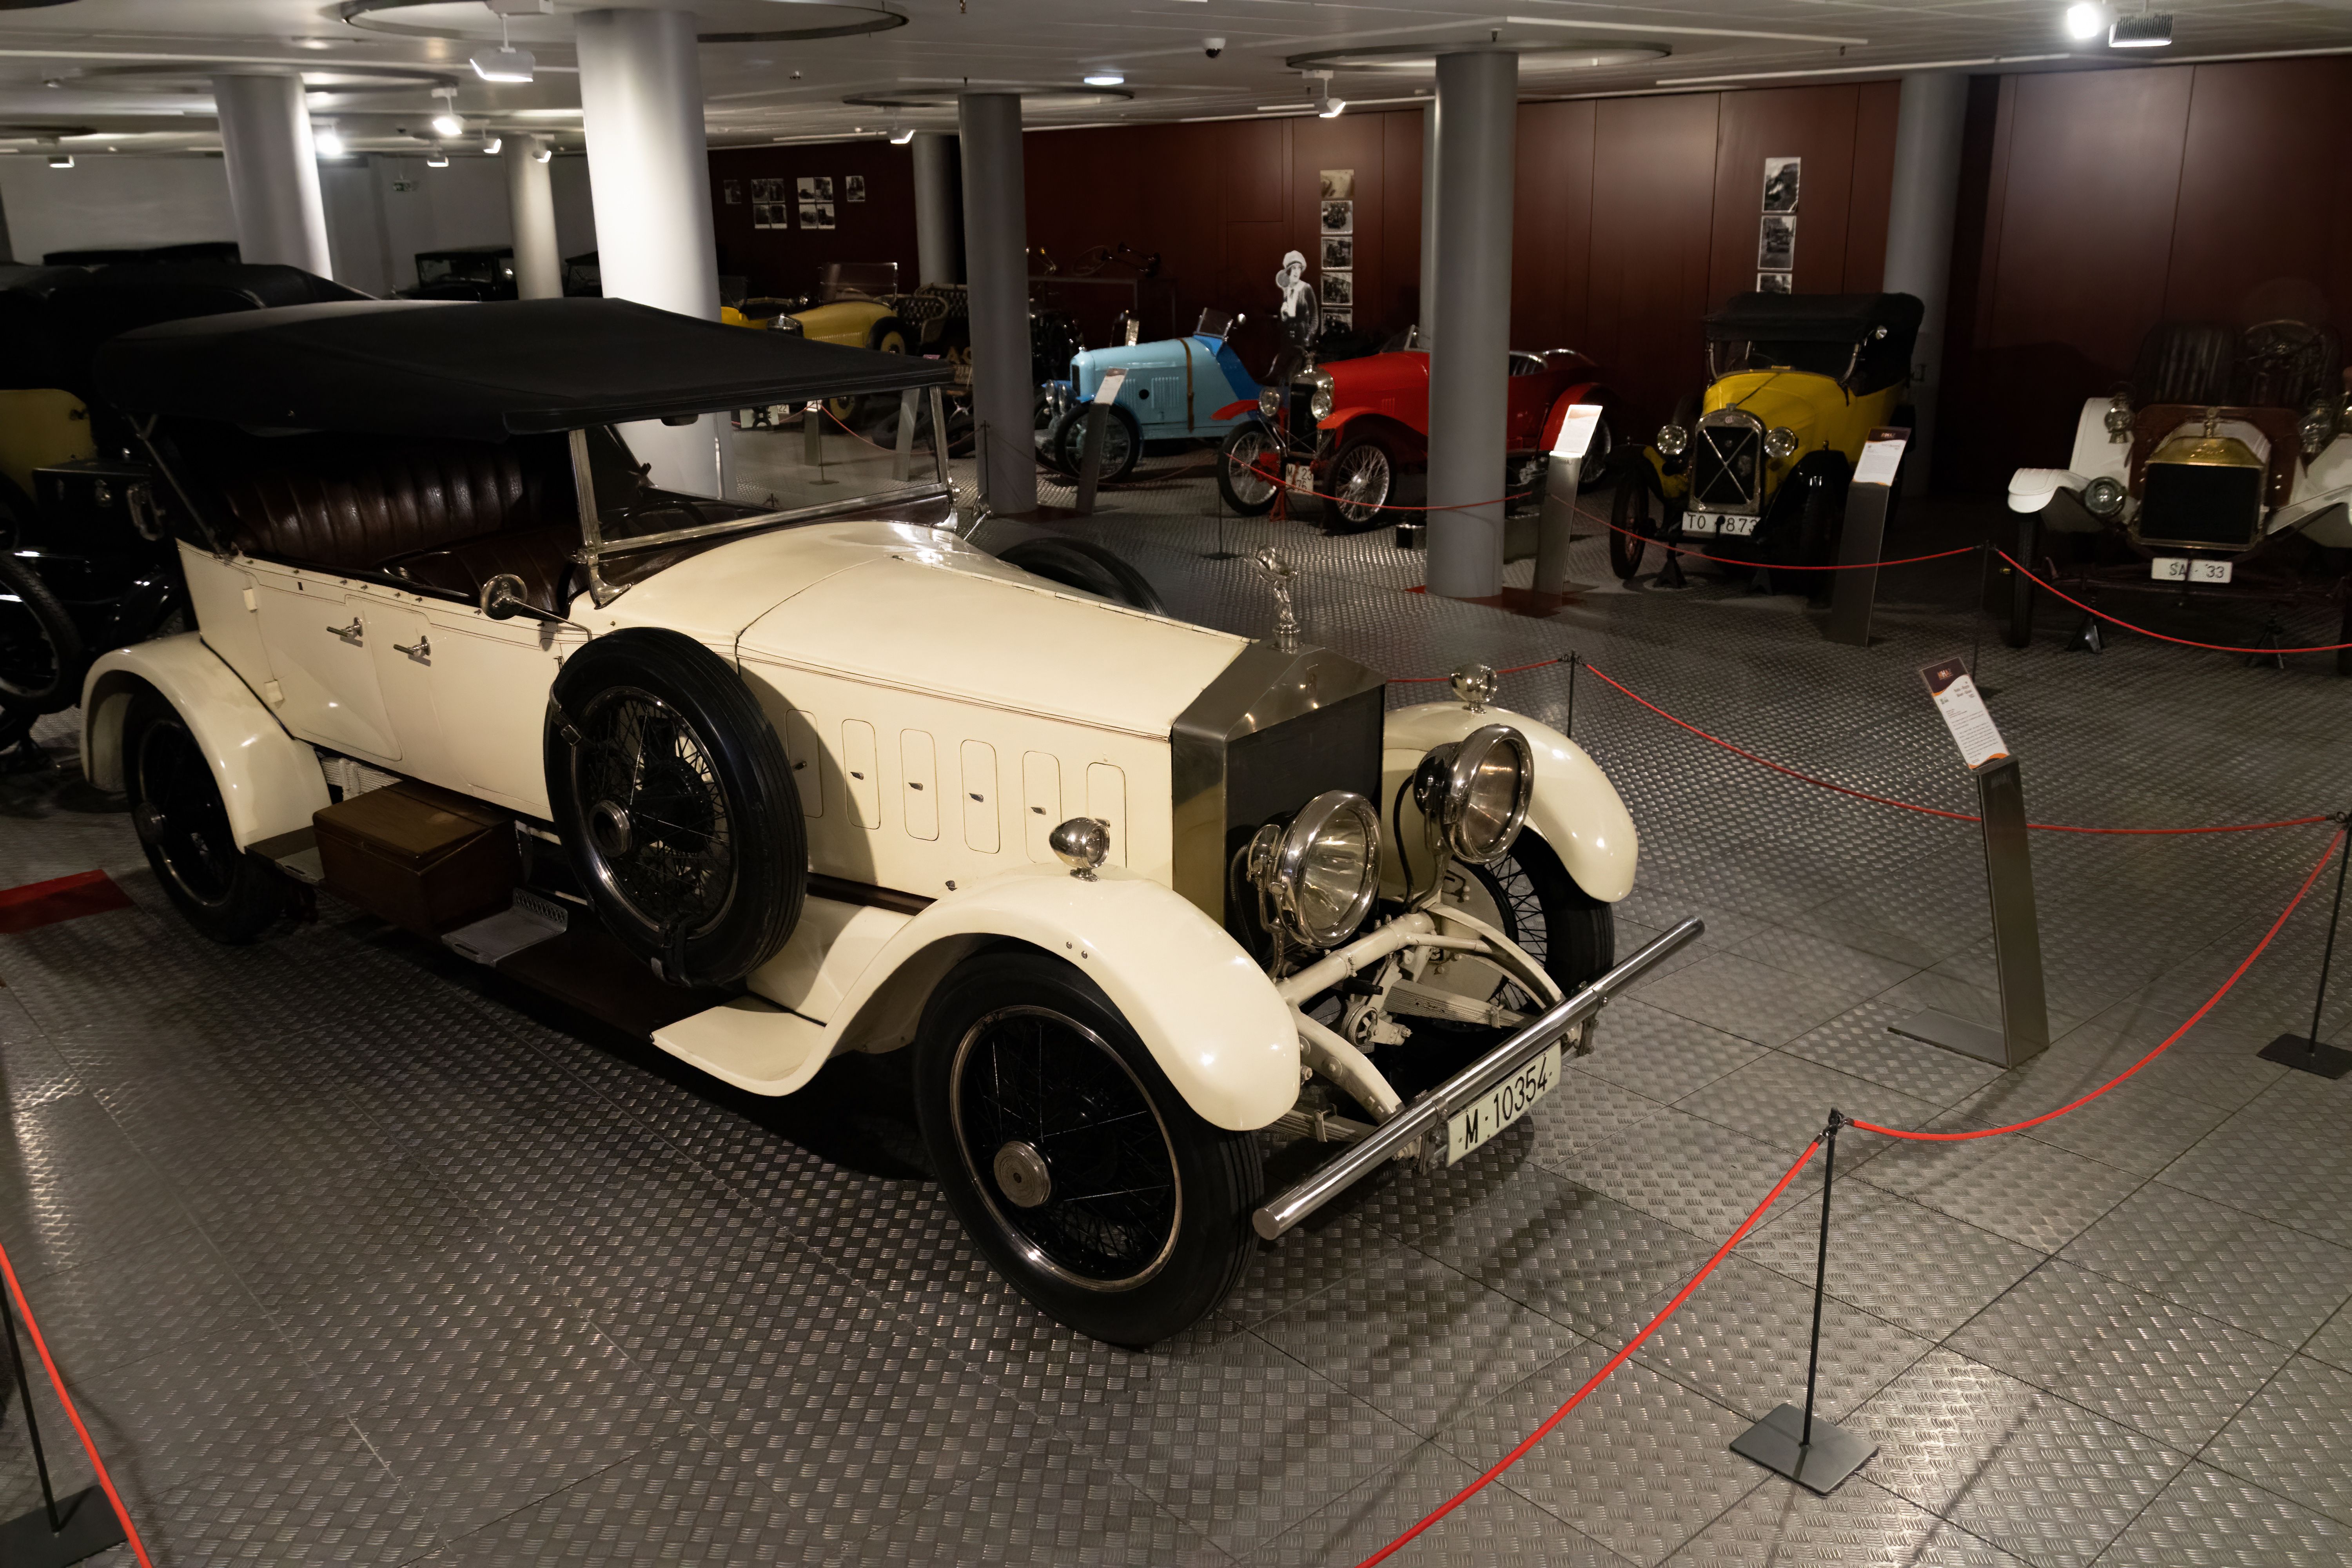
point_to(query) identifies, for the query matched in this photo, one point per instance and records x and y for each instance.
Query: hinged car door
(321, 652)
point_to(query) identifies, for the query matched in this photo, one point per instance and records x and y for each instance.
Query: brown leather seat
(541, 557)
(354, 504)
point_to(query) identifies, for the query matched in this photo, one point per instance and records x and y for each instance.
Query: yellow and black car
(1755, 469)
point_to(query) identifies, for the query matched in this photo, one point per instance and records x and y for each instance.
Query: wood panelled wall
(784, 261)
(2096, 204)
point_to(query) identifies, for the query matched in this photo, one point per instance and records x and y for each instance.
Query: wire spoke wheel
(657, 818)
(1251, 468)
(1065, 1148)
(1362, 478)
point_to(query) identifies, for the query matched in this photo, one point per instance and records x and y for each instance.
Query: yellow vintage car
(1755, 469)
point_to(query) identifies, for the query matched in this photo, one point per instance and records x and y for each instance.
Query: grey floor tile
(1319, 1254)
(2032, 1193)
(1641, 1467)
(2286, 1157)
(2209, 1520)
(1695, 1174)
(2131, 1356)
(126, 1305)
(1585, 1112)
(2135, 1125)
(1660, 1054)
(2278, 1283)
(1896, 1260)
(1497, 1528)
(1783, 1525)
(321, 1496)
(1418, 1341)
(2292, 1437)
(2333, 1342)
(1858, 1042)
(1785, 1101)
(2026, 1470)
(1743, 1341)
(1771, 1006)
(1040, 1507)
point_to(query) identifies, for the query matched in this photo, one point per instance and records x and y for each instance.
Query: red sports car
(1353, 436)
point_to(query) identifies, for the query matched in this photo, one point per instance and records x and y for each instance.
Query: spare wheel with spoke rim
(675, 804)
(1073, 1163)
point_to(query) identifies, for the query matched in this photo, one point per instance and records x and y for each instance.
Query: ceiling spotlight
(328, 140)
(448, 125)
(1333, 110)
(507, 64)
(900, 138)
(1106, 79)
(436, 159)
(2140, 32)
(492, 142)
(2086, 21)
(546, 154)
(61, 161)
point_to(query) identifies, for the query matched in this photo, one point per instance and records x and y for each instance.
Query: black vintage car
(84, 564)
(474, 272)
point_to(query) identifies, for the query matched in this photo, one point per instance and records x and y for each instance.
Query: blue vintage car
(1176, 389)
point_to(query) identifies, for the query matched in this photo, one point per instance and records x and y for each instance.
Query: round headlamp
(1476, 791)
(2103, 497)
(1269, 400)
(1673, 439)
(2119, 418)
(1321, 869)
(2321, 422)
(1781, 443)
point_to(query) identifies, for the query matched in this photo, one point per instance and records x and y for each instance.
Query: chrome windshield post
(592, 537)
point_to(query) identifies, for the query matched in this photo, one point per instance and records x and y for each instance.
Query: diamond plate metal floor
(355, 1257)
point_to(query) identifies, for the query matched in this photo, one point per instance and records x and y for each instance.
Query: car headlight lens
(1269, 400)
(2119, 418)
(1476, 791)
(2103, 497)
(1781, 443)
(1673, 439)
(1321, 869)
(1320, 404)
(2320, 426)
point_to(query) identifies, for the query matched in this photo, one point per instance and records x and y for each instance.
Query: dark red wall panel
(784, 261)
(1653, 221)
(1815, 123)
(1876, 107)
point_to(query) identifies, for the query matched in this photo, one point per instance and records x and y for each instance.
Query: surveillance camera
(1213, 47)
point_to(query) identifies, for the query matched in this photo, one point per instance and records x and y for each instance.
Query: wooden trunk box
(418, 856)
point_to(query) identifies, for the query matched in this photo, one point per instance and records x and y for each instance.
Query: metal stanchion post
(1220, 553)
(1573, 660)
(1816, 1454)
(1869, 498)
(1976, 643)
(82, 1526)
(2025, 1031)
(2304, 1052)
(812, 441)
(1090, 459)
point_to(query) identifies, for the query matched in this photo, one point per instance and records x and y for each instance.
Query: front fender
(1203, 1008)
(2097, 454)
(1576, 809)
(271, 781)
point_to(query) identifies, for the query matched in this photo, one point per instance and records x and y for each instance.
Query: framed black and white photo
(1776, 246)
(770, 215)
(1338, 291)
(1772, 282)
(805, 188)
(825, 187)
(1781, 177)
(1338, 185)
(731, 190)
(1339, 251)
(767, 190)
(852, 187)
(1345, 321)
(1339, 218)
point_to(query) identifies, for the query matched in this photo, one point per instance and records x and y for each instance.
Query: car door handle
(351, 634)
(421, 650)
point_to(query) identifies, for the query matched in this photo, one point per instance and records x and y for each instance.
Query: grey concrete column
(649, 168)
(530, 206)
(938, 216)
(1470, 365)
(996, 257)
(1428, 325)
(273, 171)
(1919, 220)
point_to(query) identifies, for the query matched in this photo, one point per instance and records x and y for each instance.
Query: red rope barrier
(1931, 810)
(25, 1310)
(2162, 1046)
(1282, 484)
(2184, 642)
(1779, 566)
(1598, 1378)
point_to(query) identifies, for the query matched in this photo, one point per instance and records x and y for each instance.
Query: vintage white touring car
(845, 780)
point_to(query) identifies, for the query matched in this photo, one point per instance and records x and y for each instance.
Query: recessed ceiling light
(61, 161)
(436, 159)
(2085, 21)
(1106, 79)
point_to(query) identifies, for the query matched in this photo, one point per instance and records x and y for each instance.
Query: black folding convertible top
(1814, 318)
(478, 371)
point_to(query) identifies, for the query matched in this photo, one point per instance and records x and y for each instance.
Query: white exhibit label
(1964, 711)
(1576, 430)
(1107, 391)
(1880, 459)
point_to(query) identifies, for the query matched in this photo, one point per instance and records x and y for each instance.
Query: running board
(295, 853)
(750, 1043)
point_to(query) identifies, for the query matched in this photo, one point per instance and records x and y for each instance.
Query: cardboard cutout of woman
(1302, 312)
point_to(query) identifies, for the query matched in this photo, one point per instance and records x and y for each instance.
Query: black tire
(1160, 1233)
(1629, 510)
(1088, 567)
(41, 655)
(1365, 471)
(1242, 461)
(1600, 457)
(675, 804)
(183, 824)
(2019, 631)
(1122, 443)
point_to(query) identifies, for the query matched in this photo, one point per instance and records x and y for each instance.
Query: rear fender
(1576, 809)
(271, 781)
(1583, 392)
(1405, 444)
(1203, 1008)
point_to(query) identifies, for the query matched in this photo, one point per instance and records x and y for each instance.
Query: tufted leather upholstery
(354, 504)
